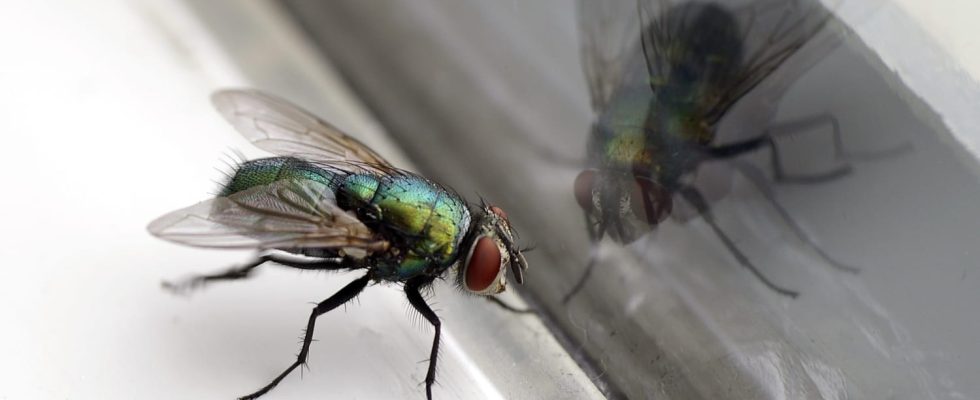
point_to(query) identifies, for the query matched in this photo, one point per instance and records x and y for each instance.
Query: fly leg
(594, 238)
(755, 176)
(418, 302)
(343, 296)
(795, 127)
(508, 307)
(593, 259)
(245, 271)
(739, 148)
(698, 202)
(791, 128)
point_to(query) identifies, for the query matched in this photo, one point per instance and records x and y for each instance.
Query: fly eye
(583, 189)
(650, 201)
(499, 212)
(482, 268)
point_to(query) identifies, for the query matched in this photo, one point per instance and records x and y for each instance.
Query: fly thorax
(629, 150)
(688, 126)
(424, 222)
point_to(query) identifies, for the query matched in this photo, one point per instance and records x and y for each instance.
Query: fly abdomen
(268, 170)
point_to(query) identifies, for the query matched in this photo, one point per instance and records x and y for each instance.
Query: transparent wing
(609, 36)
(775, 31)
(284, 214)
(778, 40)
(283, 128)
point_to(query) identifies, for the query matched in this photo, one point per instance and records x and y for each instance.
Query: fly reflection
(660, 98)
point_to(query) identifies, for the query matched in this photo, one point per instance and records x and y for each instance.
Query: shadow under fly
(327, 202)
(661, 77)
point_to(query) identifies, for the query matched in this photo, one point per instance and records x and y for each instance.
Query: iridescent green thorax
(430, 219)
(639, 134)
(268, 170)
(627, 150)
(423, 220)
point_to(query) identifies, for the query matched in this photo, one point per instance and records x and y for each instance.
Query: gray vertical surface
(472, 89)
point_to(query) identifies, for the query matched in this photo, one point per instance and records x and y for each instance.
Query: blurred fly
(335, 204)
(661, 78)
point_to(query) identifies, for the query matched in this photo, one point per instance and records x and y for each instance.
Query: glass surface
(491, 98)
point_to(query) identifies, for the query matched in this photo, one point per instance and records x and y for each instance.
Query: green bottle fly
(328, 202)
(659, 102)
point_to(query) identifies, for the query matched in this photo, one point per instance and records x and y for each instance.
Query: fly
(660, 98)
(328, 202)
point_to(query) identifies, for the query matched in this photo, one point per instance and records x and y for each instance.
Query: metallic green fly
(662, 75)
(335, 204)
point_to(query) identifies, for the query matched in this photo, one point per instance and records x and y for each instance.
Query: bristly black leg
(245, 271)
(508, 307)
(698, 202)
(415, 298)
(343, 296)
(755, 176)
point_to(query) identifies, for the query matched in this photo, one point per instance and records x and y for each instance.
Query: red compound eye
(483, 266)
(650, 201)
(583, 189)
(500, 212)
